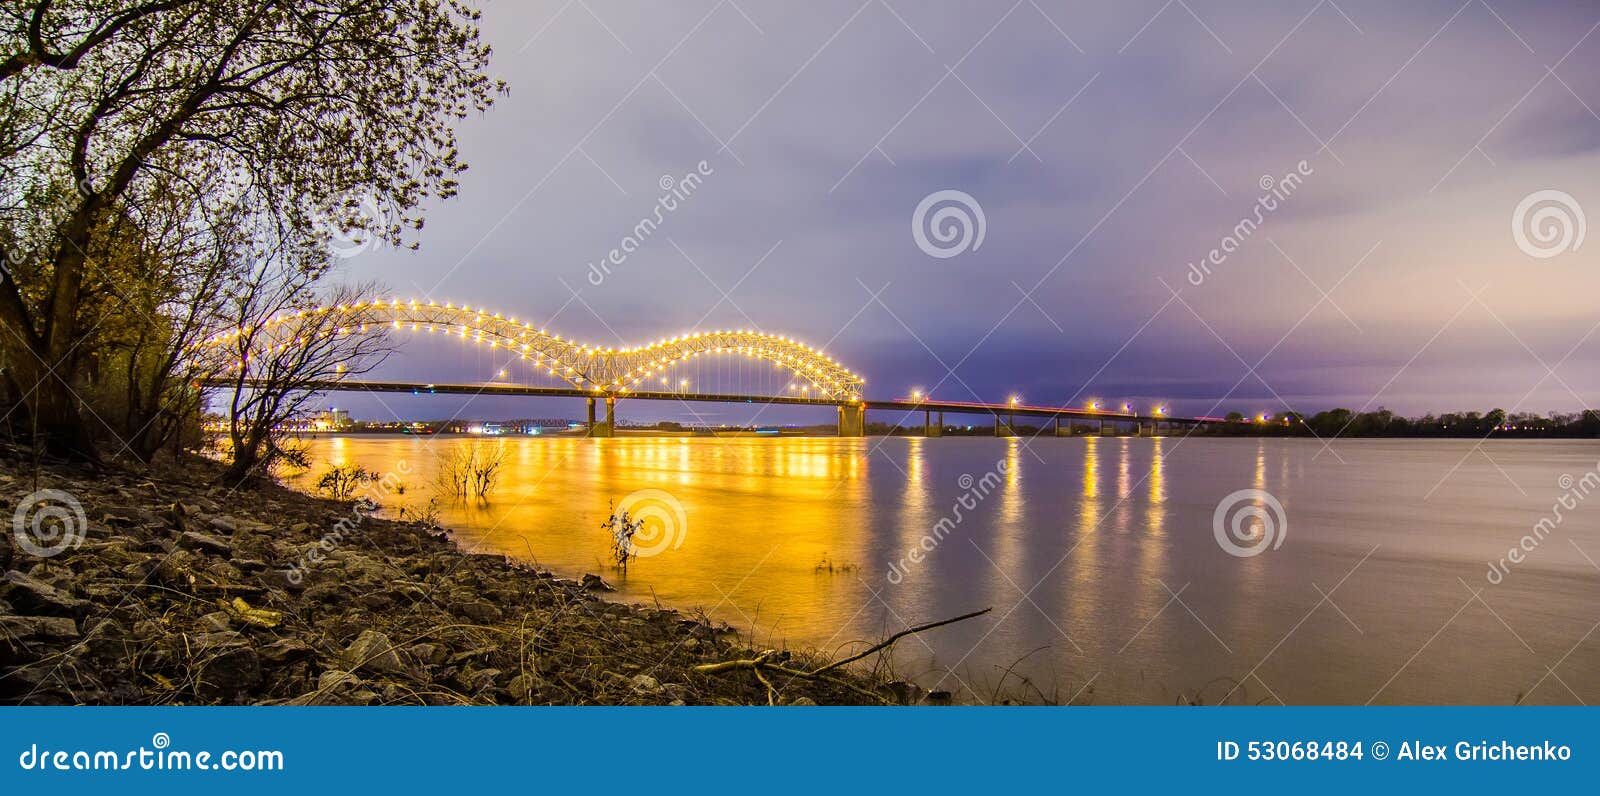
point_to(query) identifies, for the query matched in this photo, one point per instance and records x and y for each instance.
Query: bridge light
(1014, 400)
(1127, 408)
(1160, 410)
(1094, 406)
(916, 394)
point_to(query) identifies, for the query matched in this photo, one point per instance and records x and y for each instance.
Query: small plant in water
(428, 515)
(341, 481)
(831, 567)
(622, 528)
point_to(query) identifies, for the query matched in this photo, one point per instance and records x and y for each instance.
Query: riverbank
(182, 592)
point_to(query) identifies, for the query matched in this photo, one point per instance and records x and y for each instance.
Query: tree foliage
(152, 154)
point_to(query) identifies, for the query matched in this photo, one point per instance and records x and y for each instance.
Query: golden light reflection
(1156, 510)
(769, 509)
(1089, 506)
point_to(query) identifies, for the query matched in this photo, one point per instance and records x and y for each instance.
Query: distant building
(335, 419)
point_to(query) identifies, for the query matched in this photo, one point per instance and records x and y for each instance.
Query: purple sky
(1109, 145)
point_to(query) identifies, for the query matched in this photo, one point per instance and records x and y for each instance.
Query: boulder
(229, 672)
(34, 596)
(480, 612)
(206, 543)
(373, 651)
(285, 650)
(35, 628)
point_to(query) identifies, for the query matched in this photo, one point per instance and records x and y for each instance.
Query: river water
(1100, 557)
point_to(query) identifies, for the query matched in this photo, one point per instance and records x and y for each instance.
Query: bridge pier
(1006, 428)
(928, 427)
(1058, 427)
(607, 428)
(852, 420)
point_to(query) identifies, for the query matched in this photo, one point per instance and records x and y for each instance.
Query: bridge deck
(903, 405)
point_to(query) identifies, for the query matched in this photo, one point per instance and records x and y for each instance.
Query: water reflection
(793, 537)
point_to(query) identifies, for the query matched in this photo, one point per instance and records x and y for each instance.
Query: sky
(1108, 146)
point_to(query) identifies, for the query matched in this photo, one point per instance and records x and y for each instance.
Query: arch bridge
(606, 373)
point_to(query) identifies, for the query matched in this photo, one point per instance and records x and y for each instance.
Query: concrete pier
(852, 420)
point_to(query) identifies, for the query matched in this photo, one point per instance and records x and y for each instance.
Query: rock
(905, 693)
(233, 670)
(127, 516)
(285, 650)
(594, 582)
(32, 628)
(521, 686)
(215, 621)
(335, 679)
(375, 600)
(803, 702)
(938, 698)
(194, 540)
(373, 651)
(480, 612)
(30, 594)
(645, 684)
(431, 654)
(224, 523)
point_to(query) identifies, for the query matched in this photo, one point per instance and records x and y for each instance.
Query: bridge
(604, 375)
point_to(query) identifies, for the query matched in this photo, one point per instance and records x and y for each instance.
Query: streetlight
(1094, 406)
(1160, 410)
(1126, 408)
(916, 393)
(1013, 400)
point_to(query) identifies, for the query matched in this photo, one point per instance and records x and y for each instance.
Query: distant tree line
(174, 177)
(1385, 423)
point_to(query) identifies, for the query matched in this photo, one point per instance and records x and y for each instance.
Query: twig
(762, 664)
(896, 637)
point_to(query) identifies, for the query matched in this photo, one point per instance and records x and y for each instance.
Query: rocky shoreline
(182, 592)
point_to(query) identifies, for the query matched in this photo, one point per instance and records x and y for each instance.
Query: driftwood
(771, 662)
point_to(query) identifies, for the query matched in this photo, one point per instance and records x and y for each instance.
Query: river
(1100, 556)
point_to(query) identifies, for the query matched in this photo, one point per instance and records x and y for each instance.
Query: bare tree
(283, 346)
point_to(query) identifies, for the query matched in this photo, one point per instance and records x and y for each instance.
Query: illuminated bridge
(643, 372)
